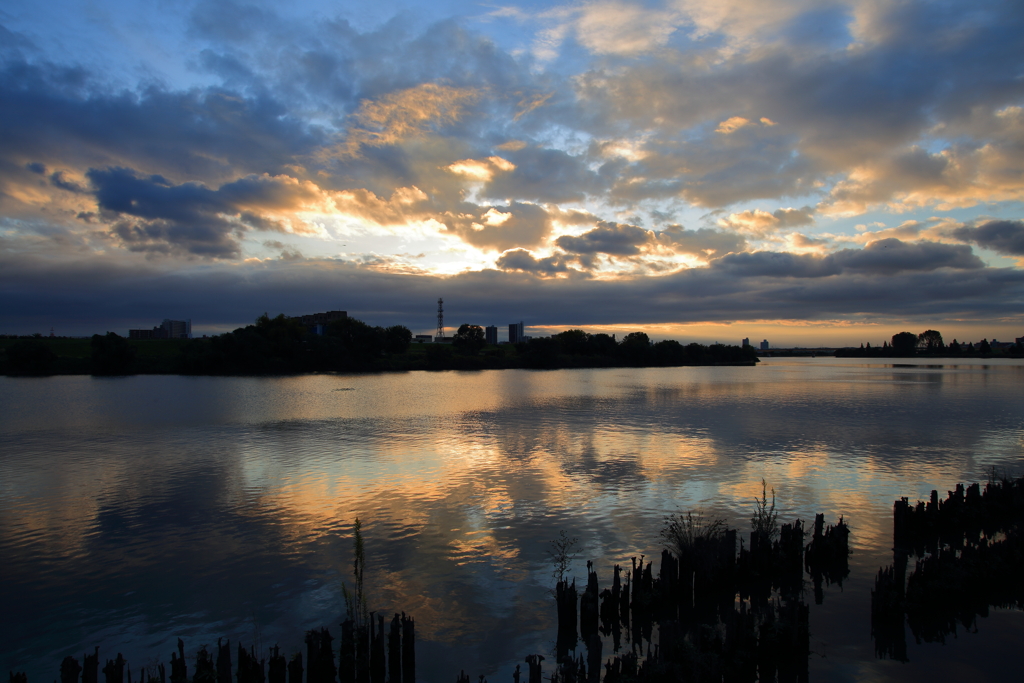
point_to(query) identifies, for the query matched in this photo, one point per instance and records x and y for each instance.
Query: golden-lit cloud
(732, 124)
(480, 170)
(407, 113)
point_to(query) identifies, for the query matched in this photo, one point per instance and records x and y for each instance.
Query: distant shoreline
(74, 356)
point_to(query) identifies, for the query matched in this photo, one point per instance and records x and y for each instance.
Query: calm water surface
(136, 510)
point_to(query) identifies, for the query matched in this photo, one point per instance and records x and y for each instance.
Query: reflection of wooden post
(565, 605)
(589, 610)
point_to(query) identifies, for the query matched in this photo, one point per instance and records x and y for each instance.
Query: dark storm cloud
(892, 255)
(883, 257)
(777, 264)
(1005, 237)
(523, 261)
(190, 217)
(56, 116)
(90, 294)
(607, 238)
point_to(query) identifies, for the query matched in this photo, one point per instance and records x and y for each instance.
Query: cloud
(883, 257)
(523, 261)
(499, 228)
(702, 241)
(608, 238)
(715, 293)
(400, 115)
(732, 124)
(955, 177)
(153, 214)
(761, 224)
(1004, 237)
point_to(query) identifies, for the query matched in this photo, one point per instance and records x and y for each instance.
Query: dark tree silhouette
(930, 341)
(361, 342)
(30, 357)
(635, 347)
(573, 342)
(904, 343)
(397, 339)
(469, 339)
(111, 354)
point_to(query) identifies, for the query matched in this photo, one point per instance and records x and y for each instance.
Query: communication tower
(440, 319)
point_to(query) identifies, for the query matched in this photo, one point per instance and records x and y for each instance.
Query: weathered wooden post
(278, 669)
(395, 651)
(295, 669)
(535, 667)
(347, 653)
(408, 649)
(69, 670)
(224, 661)
(114, 669)
(90, 667)
(179, 670)
(378, 657)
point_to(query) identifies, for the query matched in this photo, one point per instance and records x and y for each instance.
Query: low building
(168, 329)
(423, 338)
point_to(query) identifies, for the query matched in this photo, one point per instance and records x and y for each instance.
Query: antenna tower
(440, 319)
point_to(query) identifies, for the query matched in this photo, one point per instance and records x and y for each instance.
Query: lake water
(136, 510)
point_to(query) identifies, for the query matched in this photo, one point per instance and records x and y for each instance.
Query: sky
(811, 172)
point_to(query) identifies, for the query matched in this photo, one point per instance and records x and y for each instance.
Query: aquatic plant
(682, 532)
(563, 552)
(765, 522)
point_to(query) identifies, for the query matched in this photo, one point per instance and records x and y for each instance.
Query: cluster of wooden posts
(362, 658)
(705, 633)
(969, 552)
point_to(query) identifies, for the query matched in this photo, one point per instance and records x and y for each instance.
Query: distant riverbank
(77, 356)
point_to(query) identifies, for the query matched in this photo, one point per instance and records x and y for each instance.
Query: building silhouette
(316, 323)
(515, 333)
(491, 334)
(168, 329)
(764, 345)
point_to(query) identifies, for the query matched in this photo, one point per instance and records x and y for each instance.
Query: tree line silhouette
(928, 343)
(282, 345)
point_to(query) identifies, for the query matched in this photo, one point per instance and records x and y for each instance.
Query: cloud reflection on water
(217, 499)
